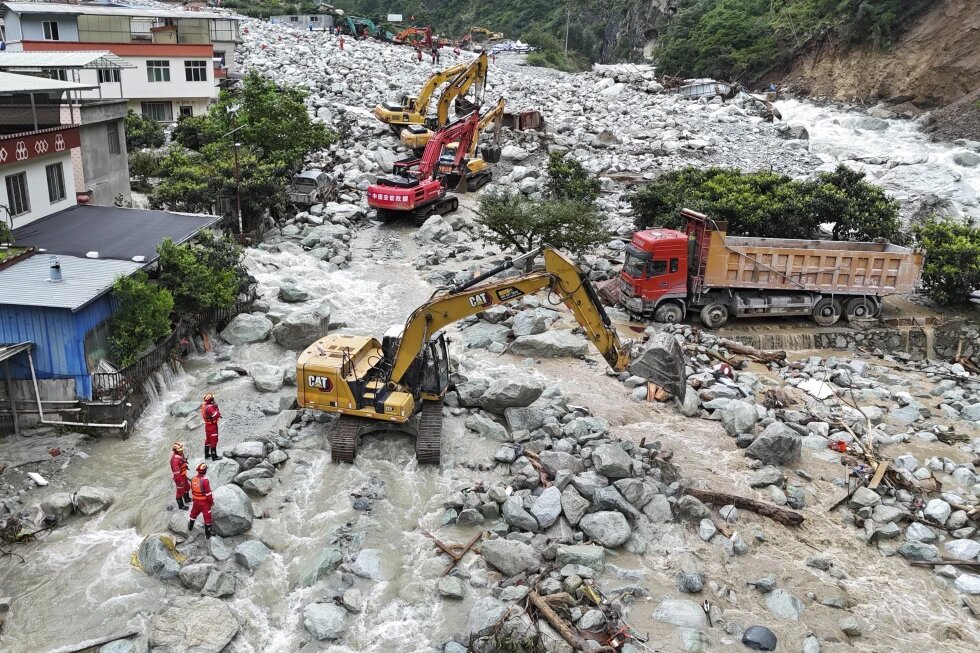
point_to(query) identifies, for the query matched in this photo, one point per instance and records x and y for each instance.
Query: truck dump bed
(822, 266)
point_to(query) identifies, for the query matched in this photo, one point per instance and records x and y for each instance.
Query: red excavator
(415, 189)
(421, 36)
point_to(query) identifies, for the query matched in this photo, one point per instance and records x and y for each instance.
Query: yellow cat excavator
(474, 76)
(412, 110)
(398, 384)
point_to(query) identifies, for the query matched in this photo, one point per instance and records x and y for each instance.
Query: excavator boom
(561, 276)
(413, 111)
(475, 73)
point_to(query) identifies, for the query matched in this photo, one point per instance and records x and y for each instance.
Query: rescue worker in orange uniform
(211, 415)
(178, 465)
(202, 500)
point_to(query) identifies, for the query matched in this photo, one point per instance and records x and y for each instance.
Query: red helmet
(202, 468)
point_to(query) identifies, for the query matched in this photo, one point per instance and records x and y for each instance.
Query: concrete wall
(37, 187)
(32, 28)
(106, 175)
(200, 106)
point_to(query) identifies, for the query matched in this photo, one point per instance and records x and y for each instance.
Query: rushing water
(77, 582)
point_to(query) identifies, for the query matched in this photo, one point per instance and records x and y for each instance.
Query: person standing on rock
(211, 415)
(435, 55)
(418, 53)
(178, 465)
(341, 42)
(202, 500)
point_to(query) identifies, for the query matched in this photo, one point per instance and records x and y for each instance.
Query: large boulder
(611, 461)
(368, 564)
(291, 293)
(58, 505)
(266, 377)
(515, 515)
(219, 584)
(325, 563)
(194, 576)
(551, 344)
(220, 472)
(547, 507)
(324, 620)
(587, 555)
(487, 427)
(784, 605)
(738, 417)
(90, 500)
(608, 528)
(510, 557)
(681, 612)
(555, 461)
(251, 553)
(484, 617)
(245, 328)
(232, 510)
(433, 230)
(483, 334)
(156, 556)
(533, 321)
(509, 393)
(193, 625)
(301, 328)
(778, 445)
(573, 504)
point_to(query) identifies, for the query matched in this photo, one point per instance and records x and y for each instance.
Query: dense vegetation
(745, 39)
(567, 218)
(273, 133)
(142, 317)
(952, 268)
(141, 132)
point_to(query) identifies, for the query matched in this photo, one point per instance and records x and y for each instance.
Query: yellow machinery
(476, 169)
(411, 110)
(473, 76)
(398, 383)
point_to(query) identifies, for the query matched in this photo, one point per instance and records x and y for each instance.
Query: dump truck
(669, 274)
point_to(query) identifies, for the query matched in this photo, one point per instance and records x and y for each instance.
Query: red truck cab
(655, 273)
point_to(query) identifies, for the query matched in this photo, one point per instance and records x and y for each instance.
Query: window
(186, 110)
(107, 75)
(56, 182)
(50, 30)
(159, 111)
(219, 56)
(112, 134)
(657, 267)
(56, 73)
(157, 70)
(674, 264)
(18, 200)
(314, 19)
(294, 19)
(196, 71)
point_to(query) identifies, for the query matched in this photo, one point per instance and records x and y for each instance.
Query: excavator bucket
(662, 362)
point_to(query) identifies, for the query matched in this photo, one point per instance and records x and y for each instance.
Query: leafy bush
(568, 180)
(141, 132)
(142, 317)
(952, 266)
(196, 276)
(5, 235)
(142, 166)
(513, 220)
(770, 205)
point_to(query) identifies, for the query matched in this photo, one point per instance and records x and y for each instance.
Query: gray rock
(784, 605)
(573, 504)
(915, 551)
(966, 158)
(251, 553)
(510, 557)
(266, 377)
(506, 393)
(851, 626)
(217, 548)
(937, 511)
(681, 612)
(451, 587)
(778, 445)
(525, 419)
(551, 641)
(482, 335)
(968, 584)
(198, 624)
(515, 515)
(609, 498)
(920, 533)
(555, 461)
(194, 576)
(246, 328)
(865, 498)
(591, 620)
(658, 510)
(487, 427)
(610, 529)
(301, 328)
(156, 556)
(587, 555)
(707, 530)
(184, 408)
(738, 417)
(368, 565)
(324, 621)
(611, 461)
(220, 472)
(484, 617)
(635, 491)
(514, 593)
(533, 321)
(119, 646)
(221, 376)
(963, 549)
(219, 584)
(232, 511)
(469, 517)
(547, 507)
(58, 505)
(325, 563)
(689, 407)
(587, 482)
(551, 344)
(247, 449)
(767, 476)
(352, 600)
(258, 486)
(690, 581)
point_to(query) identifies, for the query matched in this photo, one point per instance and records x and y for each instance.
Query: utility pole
(568, 17)
(238, 192)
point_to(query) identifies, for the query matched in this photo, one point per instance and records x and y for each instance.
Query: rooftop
(11, 83)
(109, 10)
(113, 232)
(28, 283)
(103, 59)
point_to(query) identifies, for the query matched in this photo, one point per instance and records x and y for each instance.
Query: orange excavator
(415, 36)
(416, 188)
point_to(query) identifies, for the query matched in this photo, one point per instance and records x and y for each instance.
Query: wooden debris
(757, 355)
(774, 512)
(972, 564)
(656, 393)
(454, 551)
(879, 474)
(37, 478)
(567, 632)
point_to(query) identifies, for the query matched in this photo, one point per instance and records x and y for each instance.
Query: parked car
(309, 187)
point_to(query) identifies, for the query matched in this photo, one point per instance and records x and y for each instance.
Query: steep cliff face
(632, 29)
(934, 62)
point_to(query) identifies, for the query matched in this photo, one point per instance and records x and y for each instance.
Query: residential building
(103, 176)
(304, 21)
(178, 57)
(35, 148)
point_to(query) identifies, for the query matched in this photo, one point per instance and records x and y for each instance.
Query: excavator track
(428, 443)
(346, 434)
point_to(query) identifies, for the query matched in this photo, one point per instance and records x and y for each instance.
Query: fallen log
(781, 515)
(758, 355)
(972, 564)
(561, 627)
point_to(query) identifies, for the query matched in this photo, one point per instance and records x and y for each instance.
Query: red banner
(18, 149)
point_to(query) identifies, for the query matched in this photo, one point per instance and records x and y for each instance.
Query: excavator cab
(431, 366)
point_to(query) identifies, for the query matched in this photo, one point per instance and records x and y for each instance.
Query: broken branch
(781, 515)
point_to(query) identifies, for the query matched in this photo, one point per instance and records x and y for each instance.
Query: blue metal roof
(28, 282)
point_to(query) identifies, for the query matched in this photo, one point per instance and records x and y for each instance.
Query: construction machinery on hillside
(415, 189)
(398, 384)
(474, 166)
(478, 36)
(473, 76)
(669, 273)
(420, 36)
(413, 110)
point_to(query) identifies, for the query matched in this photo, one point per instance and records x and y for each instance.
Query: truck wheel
(859, 308)
(714, 315)
(826, 312)
(668, 313)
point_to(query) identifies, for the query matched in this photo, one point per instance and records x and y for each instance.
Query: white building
(178, 57)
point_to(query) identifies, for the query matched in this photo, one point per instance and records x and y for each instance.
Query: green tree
(568, 180)
(142, 166)
(141, 132)
(952, 260)
(194, 279)
(142, 317)
(863, 211)
(513, 220)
